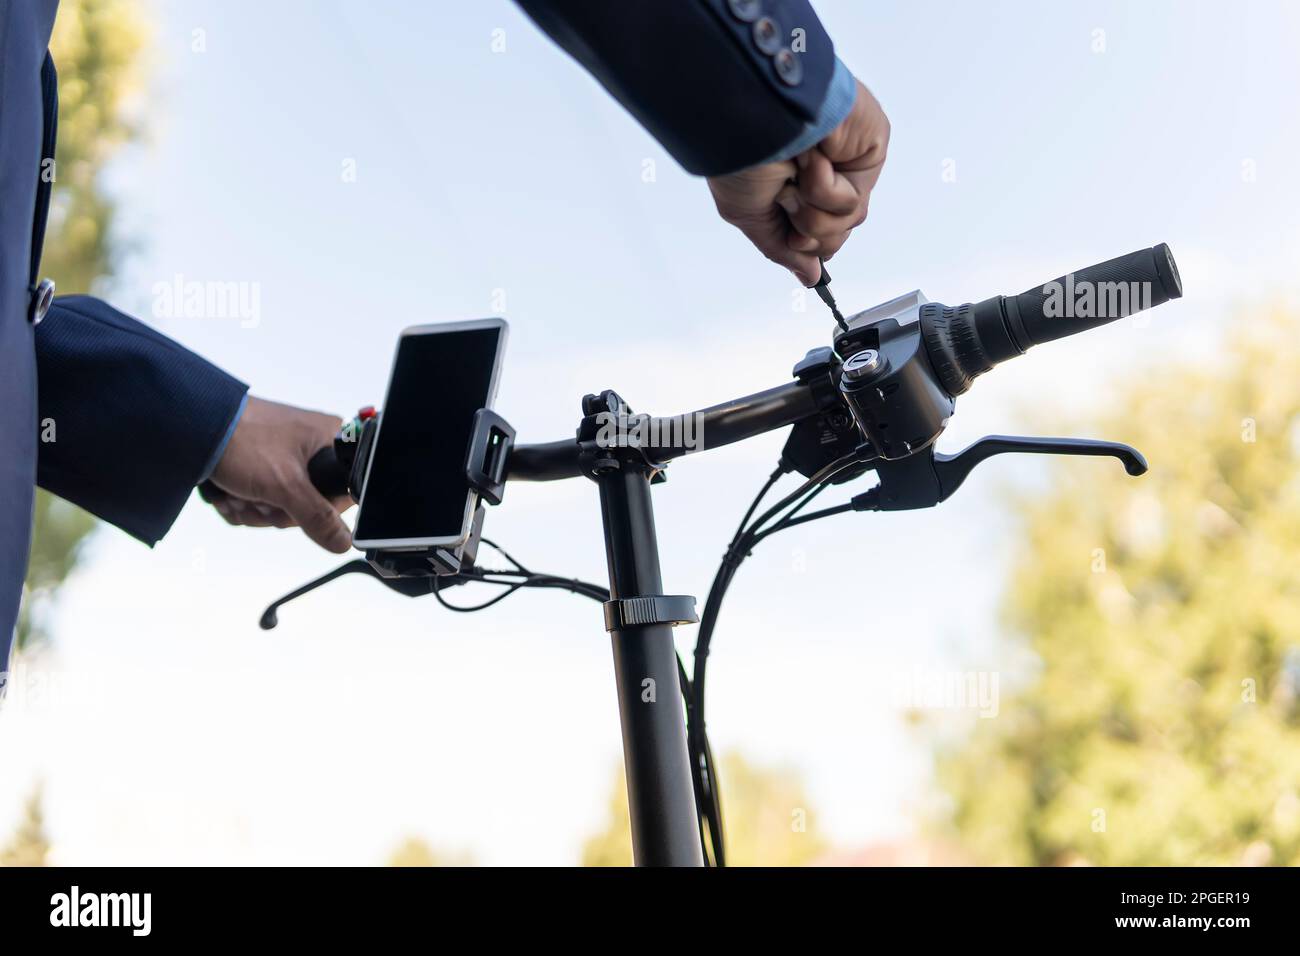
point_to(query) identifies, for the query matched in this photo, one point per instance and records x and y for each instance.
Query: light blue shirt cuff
(220, 450)
(841, 93)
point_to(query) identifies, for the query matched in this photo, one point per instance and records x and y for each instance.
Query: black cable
(706, 802)
(703, 779)
(715, 801)
(702, 762)
(784, 514)
(822, 476)
(736, 552)
(703, 776)
(701, 796)
(790, 522)
(510, 589)
(789, 514)
(749, 532)
(776, 475)
(514, 580)
(504, 553)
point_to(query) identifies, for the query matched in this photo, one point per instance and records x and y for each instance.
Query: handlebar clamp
(673, 609)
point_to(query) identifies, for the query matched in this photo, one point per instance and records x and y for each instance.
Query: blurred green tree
(765, 814)
(29, 846)
(97, 47)
(1161, 725)
(416, 852)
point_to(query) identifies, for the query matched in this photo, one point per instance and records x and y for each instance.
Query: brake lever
(411, 586)
(925, 479)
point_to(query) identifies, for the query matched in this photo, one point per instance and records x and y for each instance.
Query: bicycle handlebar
(707, 428)
(960, 343)
(695, 431)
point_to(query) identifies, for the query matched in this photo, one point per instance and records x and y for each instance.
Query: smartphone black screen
(416, 487)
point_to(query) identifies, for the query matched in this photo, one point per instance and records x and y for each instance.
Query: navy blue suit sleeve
(128, 418)
(722, 84)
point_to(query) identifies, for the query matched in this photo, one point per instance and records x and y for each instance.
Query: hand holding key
(800, 210)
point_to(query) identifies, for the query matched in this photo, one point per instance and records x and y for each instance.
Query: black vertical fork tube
(660, 794)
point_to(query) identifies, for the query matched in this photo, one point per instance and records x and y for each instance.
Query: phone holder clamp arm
(488, 455)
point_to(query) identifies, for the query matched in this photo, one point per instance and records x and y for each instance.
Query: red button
(366, 413)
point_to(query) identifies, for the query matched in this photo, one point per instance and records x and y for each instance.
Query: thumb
(316, 516)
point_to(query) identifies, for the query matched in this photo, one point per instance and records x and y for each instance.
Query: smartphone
(414, 493)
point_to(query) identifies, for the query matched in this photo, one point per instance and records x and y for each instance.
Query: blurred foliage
(29, 845)
(765, 814)
(612, 845)
(1162, 724)
(59, 533)
(97, 46)
(415, 852)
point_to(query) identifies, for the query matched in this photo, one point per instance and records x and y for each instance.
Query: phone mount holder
(490, 442)
(413, 572)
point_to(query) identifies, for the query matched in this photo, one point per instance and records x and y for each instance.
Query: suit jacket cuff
(840, 96)
(220, 450)
(129, 418)
(719, 83)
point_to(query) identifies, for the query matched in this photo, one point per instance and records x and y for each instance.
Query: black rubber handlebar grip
(1090, 297)
(327, 473)
(966, 341)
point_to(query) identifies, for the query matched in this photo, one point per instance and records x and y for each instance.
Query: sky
(369, 166)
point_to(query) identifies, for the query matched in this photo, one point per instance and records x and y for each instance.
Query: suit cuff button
(788, 67)
(746, 11)
(767, 35)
